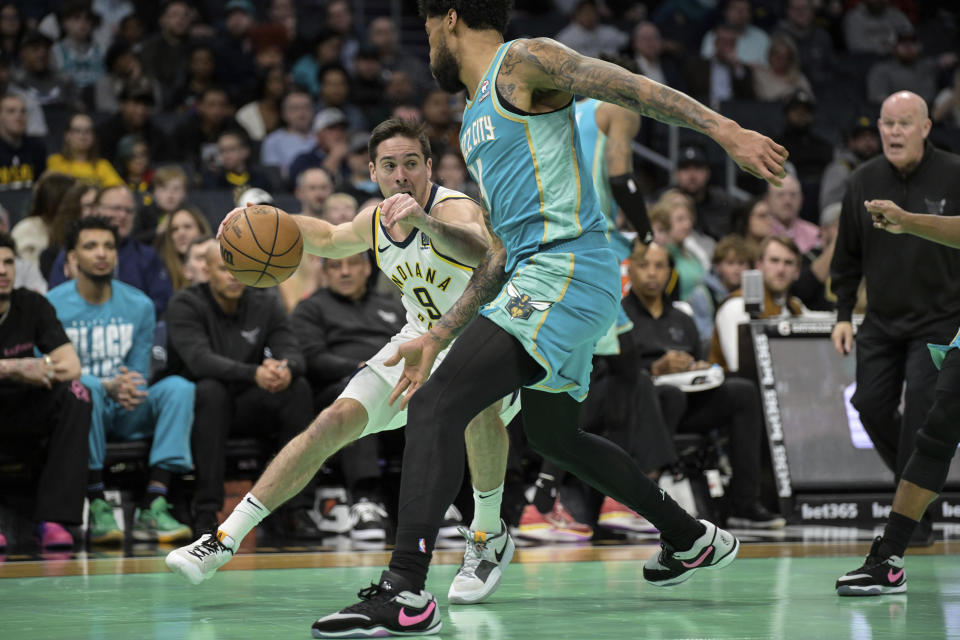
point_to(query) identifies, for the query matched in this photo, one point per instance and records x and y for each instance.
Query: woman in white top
(262, 116)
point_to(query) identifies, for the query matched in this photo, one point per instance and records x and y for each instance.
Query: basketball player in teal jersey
(546, 291)
(436, 231)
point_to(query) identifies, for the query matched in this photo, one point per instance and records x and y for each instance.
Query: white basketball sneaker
(198, 561)
(484, 560)
(716, 548)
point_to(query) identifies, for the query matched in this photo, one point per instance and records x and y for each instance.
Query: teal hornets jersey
(593, 143)
(429, 281)
(530, 170)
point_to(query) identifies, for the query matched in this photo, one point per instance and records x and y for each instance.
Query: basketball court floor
(781, 586)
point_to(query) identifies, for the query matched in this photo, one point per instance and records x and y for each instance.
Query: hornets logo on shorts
(521, 306)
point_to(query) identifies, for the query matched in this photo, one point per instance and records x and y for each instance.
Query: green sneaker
(102, 527)
(157, 525)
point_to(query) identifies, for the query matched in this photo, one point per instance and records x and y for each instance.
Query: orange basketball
(262, 246)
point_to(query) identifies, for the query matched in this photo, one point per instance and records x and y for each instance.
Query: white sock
(486, 510)
(242, 520)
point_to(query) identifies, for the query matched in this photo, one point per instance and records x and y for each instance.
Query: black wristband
(628, 197)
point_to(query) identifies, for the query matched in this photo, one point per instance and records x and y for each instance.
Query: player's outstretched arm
(454, 226)
(890, 217)
(546, 65)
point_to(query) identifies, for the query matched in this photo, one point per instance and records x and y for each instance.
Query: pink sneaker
(53, 536)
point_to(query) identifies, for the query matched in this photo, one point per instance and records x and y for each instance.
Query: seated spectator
(339, 328)
(43, 402)
(753, 222)
(80, 156)
(262, 115)
(779, 261)
(785, 202)
(646, 49)
(78, 201)
(165, 53)
(732, 256)
(384, 36)
(438, 122)
(123, 68)
(451, 172)
(861, 142)
(809, 153)
(872, 26)
(32, 233)
(367, 86)
(22, 157)
(674, 211)
(36, 121)
(335, 94)
(814, 45)
(111, 326)
(76, 55)
(330, 149)
(39, 79)
(138, 265)
(813, 285)
(186, 225)
(752, 41)
(946, 106)
(780, 76)
(667, 343)
(329, 45)
(358, 183)
(270, 43)
(132, 162)
(236, 343)
(11, 28)
(905, 70)
(169, 193)
(195, 269)
(195, 140)
(721, 76)
(587, 35)
(314, 187)
(281, 147)
(28, 275)
(234, 171)
(714, 206)
(338, 15)
(136, 102)
(198, 75)
(234, 49)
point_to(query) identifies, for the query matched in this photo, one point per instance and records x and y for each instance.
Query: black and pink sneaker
(389, 608)
(878, 576)
(715, 549)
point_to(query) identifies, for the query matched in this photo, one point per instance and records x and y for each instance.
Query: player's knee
(926, 471)
(340, 422)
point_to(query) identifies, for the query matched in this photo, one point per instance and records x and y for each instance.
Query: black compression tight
(486, 364)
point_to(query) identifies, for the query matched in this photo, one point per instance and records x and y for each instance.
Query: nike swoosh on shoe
(408, 621)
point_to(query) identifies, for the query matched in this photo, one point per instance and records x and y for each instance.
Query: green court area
(752, 599)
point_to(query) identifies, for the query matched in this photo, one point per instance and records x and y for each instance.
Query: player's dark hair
(393, 127)
(476, 14)
(6, 240)
(90, 222)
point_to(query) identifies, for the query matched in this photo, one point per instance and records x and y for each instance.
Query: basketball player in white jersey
(427, 240)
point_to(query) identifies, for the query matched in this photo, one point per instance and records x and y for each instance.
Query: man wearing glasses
(137, 264)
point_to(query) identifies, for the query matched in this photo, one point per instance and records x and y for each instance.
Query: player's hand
(886, 215)
(672, 361)
(401, 211)
(227, 219)
(418, 356)
(758, 155)
(842, 337)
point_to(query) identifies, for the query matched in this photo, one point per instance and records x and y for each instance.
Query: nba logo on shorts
(484, 91)
(422, 545)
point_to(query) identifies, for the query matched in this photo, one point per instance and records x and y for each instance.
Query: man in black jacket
(913, 287)
(239, 347)
(339, 328)
(666, 341)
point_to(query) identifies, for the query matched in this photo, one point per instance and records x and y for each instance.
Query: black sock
(412, 565)
(896, 535)
(95, 485)
(546, 493)
(157, 486)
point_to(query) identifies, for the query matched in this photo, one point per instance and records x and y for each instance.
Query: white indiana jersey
(429, 281)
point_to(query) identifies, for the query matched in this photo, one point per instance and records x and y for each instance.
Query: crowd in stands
(128, 129)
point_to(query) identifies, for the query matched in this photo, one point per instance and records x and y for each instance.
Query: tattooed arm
(543, 74)
(419, 354)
